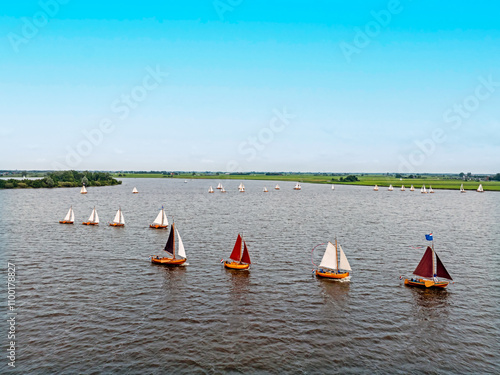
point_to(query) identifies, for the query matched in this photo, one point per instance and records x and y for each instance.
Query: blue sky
(250, 85)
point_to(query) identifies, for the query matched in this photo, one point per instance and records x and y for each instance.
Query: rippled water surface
(89, 301)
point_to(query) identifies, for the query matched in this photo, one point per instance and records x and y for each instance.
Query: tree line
(62, 179)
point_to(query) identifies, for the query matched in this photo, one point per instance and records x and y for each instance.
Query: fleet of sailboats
(161, 221)
(93, 219)
(69, 218)
(331, 266)
(240, 259)
(118, 221)
(178, 257)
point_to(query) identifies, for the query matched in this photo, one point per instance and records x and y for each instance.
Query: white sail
(412, 188)
(83, 190)
(210, 190)
(403, 188)
(390, 188)
(329, 258)
(265, 189)
(277, 187)
(70, 216)
(423, 189)
(480, 188)
(219, 186)
(94, 218)
(333, 187)
(222, 190)
(297, 186)
(241, 186)
(181, 252)
(119, 217)
(344, 263)
(134, 190)
(462, 190)
(375, 188)
(430, 189)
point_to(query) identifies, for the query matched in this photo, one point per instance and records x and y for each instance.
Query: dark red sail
(169, 247)
(236, 254)
(245, 258)
(440, 270)
(424, 268)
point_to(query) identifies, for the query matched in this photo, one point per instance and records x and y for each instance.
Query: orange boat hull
(158, 226)
(167, 261)
(236, 265)
(332, 275)
(116, 225)
(90, 223)
(426, 283)
(65, 222)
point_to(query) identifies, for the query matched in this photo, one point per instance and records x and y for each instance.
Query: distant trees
(350, 178)
(62, 179)
(495, 177)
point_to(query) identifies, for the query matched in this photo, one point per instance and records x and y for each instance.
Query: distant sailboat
(239, 256)
(210, 190)
(390, 188)
(412, 188)
(93, 219)
(185, 181)
(118, 221)
(480, 188)
(430, 189)
(403, 188)
(170, 248)
(462, 190)
(330, 267)
(375, 188)
(134, 190)
(277, 187)
(333, 187)
(241, 188)
(423, 190)
(265, 190)
(429, 269)
(69, 218)
(161, 221)
(222, 190)
(219, 186)
(297, 186)
(83, 190)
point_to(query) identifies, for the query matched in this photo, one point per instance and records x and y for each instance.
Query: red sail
(170, 242)
(245, 258)
(424, 268)
(236, 254)
(440, 270)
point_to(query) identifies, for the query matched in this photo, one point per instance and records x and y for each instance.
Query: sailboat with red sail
(240, 257)
(178, 257)
(428, 270)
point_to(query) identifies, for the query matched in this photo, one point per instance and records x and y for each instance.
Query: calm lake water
(90, 302)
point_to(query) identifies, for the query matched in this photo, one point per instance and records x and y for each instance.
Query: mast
(433, 260)
(173, 231)
(336, 254)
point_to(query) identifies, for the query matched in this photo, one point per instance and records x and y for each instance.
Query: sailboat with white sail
(333, 187)
(219, 186)
(178, 257)
(161, 221)
(375, 188)
(430, 189)
(241, 188)
(83, 190)
(480, 188)
(265, 190)
(331, 267)
(135, 191)
(390, 188)
(277, 187)
(403, 188)
(297, 186)
(412, 188)
(222, 190)
(210, 189)
(69, 218)
(93, 219)
(423, 190)
(462, 190)
(119, 220)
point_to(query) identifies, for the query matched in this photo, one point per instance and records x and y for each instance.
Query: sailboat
(265, 190)
(412, 188)
(210, 190)
(277, 187)
(462, 190)
(241, 187)
(170, 248)
(83, 190)
(222, 190)
(118, 221)
(430, 189)
(134, 190)
(219, 186)
(330, 267)
(429, 269)
(161, 221)
(93, 219)
(297, 186)
(390, 188)
(69, 218)
(423, 190)
(375, 188)
(239, 256)
(185, 181)
(480, 188)
(403, 188)
(333, 187)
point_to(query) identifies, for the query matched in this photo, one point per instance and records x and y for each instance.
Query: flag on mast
(429, 237)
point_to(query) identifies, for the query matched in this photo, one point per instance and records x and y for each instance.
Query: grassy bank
(437, 182)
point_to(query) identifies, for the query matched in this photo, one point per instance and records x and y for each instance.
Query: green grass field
(367, 180)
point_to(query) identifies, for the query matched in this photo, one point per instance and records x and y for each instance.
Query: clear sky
(341, 86)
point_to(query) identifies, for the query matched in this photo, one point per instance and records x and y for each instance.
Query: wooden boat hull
(135, 192)
(65, 222)
(422, 283)
(167, 261)
(116, 225)
(332, 275)
(158, 226)
(236, 265)
(90, 223)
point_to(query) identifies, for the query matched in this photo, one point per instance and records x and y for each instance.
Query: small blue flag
(428, 237)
